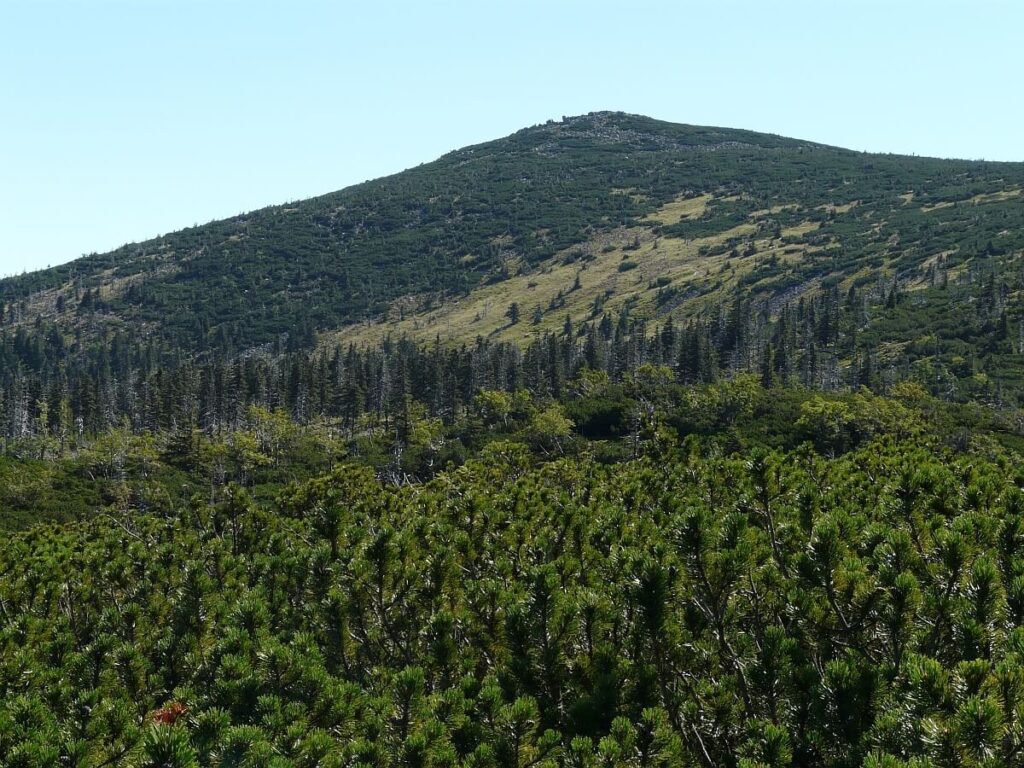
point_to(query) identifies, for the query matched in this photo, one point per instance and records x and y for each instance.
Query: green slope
(484, 213)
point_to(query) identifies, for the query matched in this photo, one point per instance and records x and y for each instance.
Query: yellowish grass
(801, 229)
(839, 209)
(681, 210)
(674, 261)
(997, 197)
(775, 209)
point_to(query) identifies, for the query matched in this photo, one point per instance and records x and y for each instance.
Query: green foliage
(857, 605)
(167, 747)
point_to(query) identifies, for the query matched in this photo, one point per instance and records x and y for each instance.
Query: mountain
(587, 189)
(474, 216)
(802, 261)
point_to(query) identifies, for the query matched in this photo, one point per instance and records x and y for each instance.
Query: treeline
(63, 391)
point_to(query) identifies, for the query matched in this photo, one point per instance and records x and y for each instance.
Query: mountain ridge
(565, 124)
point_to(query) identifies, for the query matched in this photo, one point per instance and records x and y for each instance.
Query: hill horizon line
(564, 120)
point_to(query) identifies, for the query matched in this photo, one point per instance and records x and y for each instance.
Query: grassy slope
(701, 271)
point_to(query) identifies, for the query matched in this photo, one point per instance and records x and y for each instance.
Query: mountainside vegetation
(609, 443)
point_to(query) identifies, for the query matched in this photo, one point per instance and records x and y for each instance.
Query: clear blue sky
(124, 119)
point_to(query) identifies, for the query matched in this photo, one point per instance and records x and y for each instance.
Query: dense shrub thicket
(688, 607)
